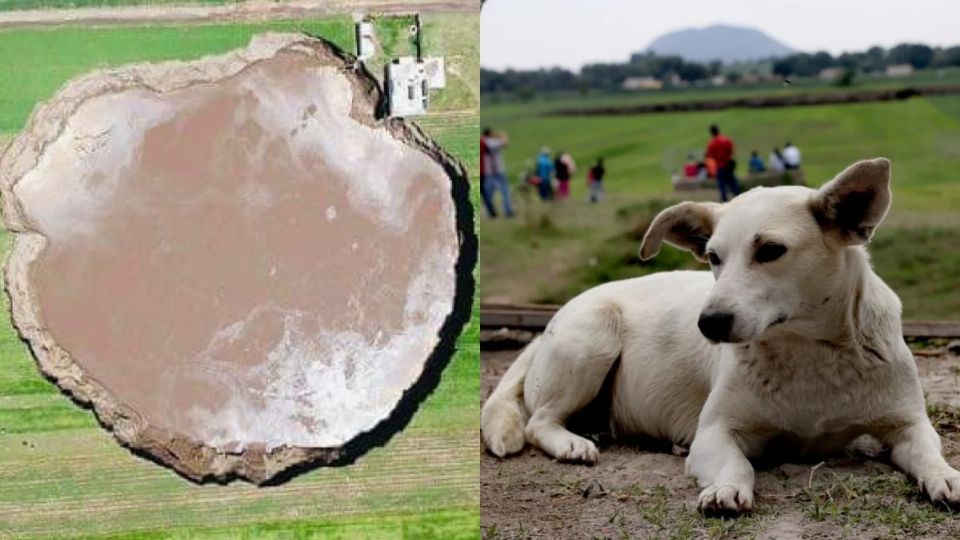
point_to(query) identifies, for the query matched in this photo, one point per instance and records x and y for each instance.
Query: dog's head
(775, 252)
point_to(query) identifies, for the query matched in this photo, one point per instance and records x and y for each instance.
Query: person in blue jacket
(756, 164)
(545, 174)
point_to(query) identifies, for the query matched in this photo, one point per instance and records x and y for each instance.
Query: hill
(719, 42)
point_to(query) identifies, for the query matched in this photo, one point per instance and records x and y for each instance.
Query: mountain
(719, 42)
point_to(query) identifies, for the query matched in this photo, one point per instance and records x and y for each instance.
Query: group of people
(778, 161)
(561, 167)
(718, 162)
(551, 174)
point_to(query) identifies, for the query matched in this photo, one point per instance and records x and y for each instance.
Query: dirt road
(642, 492)
(240, 11)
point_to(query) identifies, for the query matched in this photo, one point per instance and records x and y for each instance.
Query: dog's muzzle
(716, 326)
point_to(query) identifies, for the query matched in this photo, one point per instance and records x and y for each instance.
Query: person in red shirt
(720, 149)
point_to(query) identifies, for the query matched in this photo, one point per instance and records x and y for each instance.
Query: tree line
(600, 76)
(873, 59)
(611, 76)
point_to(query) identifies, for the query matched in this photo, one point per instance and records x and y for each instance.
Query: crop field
(61, 475)
(551, 252)
(508, 105)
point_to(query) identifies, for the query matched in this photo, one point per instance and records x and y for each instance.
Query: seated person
(791, 156)
(756, 164)
(701, 170)
(776, 161)
(690, 167)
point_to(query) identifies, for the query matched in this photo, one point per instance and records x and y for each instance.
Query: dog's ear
(855, 202)
(687, 225)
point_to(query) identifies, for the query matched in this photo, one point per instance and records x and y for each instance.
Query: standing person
(565, 167)
(545, 174)
(776, 161)
(484, 190)
(496, 169)
(720, 149)
(756, 164)
(595, 181)
(791, 156)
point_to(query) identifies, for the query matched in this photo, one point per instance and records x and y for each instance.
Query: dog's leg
(722, 469)
(580, 348)
(916, 450)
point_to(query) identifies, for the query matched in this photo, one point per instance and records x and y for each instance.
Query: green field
(63, 476)
(554, 251)
(501, 106)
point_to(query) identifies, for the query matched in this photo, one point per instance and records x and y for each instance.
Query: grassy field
(555, 251)
(63, 476)
(508, 105)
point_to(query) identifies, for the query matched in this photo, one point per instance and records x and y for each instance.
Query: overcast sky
(570, 33)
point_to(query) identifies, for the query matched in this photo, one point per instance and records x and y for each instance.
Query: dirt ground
(256, 10)
(642, 492)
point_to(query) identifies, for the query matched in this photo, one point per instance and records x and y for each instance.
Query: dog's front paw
(725, 499)
(578, 449)
(942, 488)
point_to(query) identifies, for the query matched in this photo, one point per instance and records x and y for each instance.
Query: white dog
(799, 345)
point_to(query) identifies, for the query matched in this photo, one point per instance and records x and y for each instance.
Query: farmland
(61, 475)
(553, 251)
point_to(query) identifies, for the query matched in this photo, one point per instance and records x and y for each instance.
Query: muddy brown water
(243, 263)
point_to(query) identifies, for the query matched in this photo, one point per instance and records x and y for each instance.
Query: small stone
(594, 490)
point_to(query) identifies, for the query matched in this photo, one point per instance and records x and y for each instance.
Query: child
(595, 181)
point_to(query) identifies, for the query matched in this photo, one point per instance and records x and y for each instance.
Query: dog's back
(652, 321)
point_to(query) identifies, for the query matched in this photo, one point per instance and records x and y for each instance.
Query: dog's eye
(769, 252)
(714, 258)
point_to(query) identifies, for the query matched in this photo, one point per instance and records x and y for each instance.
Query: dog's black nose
(716, 326)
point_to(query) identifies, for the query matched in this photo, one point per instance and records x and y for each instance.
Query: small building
(899, 70)
(366, 44)
(409, 82)
(718, 80)
(830, 74)
(642, 83)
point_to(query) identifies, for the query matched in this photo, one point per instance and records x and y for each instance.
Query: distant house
(830, 73)
(899, 70)
(642, 83)
(718, 80)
